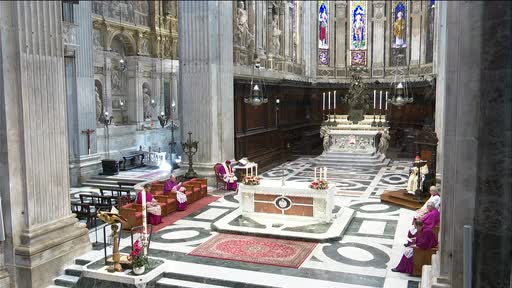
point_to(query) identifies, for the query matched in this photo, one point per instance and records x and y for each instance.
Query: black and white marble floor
(370, 247)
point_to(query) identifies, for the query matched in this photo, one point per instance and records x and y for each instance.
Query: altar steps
(341, 159)
(111, 182)
(401, 198)
(177, 279)
(73, 272)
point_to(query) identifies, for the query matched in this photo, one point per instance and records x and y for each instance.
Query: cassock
(152, 207)
(430, 220)
(426, 239)
(228, 176)
(169, 185)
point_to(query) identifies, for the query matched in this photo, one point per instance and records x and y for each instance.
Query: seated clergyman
(228, 175)
(425, 239)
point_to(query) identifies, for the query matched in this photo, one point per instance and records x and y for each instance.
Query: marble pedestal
(352, 141)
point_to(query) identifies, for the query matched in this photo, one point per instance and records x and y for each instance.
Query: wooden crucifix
(88, 132)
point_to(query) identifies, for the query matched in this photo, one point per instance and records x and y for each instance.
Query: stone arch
(127, 39)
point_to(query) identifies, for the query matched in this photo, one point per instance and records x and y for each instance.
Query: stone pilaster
(260, 33)
(474, 83)
(416, 31)
(379, 22)
(42, 234)
(86, 164)
(341, 37)
(206, 79)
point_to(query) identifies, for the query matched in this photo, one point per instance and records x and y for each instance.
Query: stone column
(424, 28)
(310, 42)
(174, 95)
(379, 22)
(206, 79)
(415, 26)
(42, 236)
(107, 95)
(477, 147)
(439, 65)
(341, 21)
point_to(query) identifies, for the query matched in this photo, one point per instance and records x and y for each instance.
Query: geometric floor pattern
(371, 246)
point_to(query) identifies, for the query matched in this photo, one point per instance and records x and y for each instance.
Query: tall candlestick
(380, 100)
(315, 175)
(144, 220)
(334, 99)
(374, 99)
(329, 100)
(386, 100)
(324, 102)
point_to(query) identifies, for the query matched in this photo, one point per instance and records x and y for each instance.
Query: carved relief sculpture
(243, 37)
(357, 99)
(96, 36)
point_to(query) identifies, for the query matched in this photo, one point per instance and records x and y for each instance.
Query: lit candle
(380, 100)
(324, 102)
(329, 100)
(144, 220)
(256, 170)
(314, 178)
(374, 99)
(386, 100)
(334, 99)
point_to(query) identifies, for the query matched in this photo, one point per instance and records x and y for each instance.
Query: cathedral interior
(284, 143)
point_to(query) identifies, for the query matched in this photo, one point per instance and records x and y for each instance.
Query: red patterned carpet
(277, 252)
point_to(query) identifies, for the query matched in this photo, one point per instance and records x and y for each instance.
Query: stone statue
(146, 98)
(357, 99)
(97, 38)
(243, 37)
(99, 103)
(324, 133)
(275, 45)
(144, 46)
(116, 81)
(384, 142)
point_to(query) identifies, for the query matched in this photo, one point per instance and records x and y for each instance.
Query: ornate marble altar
(293, 199)
(341, 135)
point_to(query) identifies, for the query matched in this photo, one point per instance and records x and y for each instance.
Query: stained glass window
(358, 25)
(323, 33)
(358, 33)
(399, 24)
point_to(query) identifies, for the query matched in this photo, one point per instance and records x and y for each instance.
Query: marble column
(206, 80)
(310, 42)
(379, 22)
(439, 64)
(174, 95)
(477, 146)
(42, 236)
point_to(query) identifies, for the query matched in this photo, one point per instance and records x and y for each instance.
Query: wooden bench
(423, 257)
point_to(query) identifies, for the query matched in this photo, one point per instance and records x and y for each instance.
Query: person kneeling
(228, 176)
(425, 239)
(152, 207)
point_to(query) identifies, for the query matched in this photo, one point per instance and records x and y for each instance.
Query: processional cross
(88, 132)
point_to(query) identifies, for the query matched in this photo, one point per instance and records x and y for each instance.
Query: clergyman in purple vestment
(425, 239)
(430, 220)
(152, 207)
(170, 184)
(228, 176)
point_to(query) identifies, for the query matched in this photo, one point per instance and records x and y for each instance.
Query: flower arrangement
(138, 259)
(319, 184)
(251, 180)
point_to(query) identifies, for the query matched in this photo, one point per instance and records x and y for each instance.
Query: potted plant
(139, 261)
